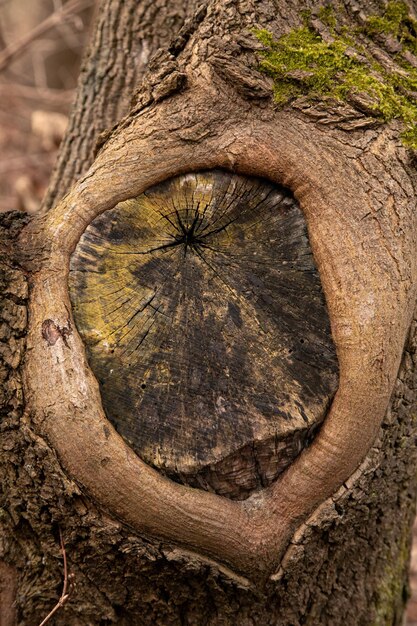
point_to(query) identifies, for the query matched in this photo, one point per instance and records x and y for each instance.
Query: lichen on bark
(323, 60)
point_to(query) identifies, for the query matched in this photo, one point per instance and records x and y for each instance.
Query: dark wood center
(204, 321)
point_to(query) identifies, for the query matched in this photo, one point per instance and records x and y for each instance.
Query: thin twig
(66, 591)
(16, 48)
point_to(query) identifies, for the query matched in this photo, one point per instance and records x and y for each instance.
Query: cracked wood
(205, 323)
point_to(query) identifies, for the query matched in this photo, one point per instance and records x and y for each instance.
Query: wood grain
(204, 321)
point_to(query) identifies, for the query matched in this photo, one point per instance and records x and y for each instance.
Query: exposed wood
(248, 537)
(206, 326)
(139, 543)
(361, 534)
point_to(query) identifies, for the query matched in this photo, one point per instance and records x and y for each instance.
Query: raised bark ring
(370, 300)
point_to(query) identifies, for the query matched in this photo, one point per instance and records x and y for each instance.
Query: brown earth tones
(358, 530)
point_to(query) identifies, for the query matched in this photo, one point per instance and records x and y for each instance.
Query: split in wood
(204, 320)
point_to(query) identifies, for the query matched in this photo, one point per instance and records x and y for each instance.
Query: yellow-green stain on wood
(391, 591)
(205, 324)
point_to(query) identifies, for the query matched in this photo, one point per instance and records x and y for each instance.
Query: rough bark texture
(348, 563)
(125, 36)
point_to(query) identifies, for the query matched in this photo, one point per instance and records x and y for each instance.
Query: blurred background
(41, 45)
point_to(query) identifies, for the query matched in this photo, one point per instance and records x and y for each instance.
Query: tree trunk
(292, 286)
(125, 37)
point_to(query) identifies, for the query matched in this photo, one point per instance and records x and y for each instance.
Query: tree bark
(328, 542)
(125, 37)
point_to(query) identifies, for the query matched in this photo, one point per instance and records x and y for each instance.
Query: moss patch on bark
(339, 66)
(395, 21)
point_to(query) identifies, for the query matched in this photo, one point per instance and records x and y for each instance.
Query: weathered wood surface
(365, 533)
(206, 326)
(61, 462)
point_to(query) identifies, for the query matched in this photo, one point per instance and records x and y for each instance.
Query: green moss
(327, 15)
(305, 16)
(303, 64)
(409, 137)
(395, 21)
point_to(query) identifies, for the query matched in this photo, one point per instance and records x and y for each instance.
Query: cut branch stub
(204, 320)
